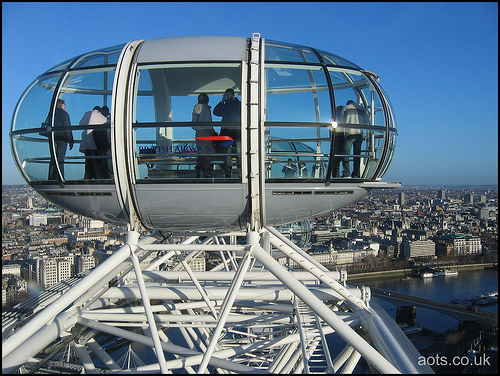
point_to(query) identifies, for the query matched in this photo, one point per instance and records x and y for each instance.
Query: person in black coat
(102, 142)
(230, 111)
(62, 137)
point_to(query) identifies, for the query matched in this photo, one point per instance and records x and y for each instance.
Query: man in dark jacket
(230, 111)
(62, 138)
(229, 108)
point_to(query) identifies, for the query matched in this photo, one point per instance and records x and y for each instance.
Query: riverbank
(401, 273)
(443, 337)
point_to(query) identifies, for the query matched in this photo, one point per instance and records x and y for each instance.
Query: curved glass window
(175, 139)
(61, 66)
(297, 152)
(32, 149)
(297, 94)
(287, 52)
(37, 151)
(298, 116)
(33, 107)
(331, 59)
(106, 56)
(361, 131)
(298, 232)
(90, 158)
(392, 134)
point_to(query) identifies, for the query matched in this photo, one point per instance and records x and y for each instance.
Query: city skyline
(420, 215)
(441, 77)
(451, 231)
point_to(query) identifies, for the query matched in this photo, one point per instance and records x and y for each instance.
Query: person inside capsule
(102, 139)
(202, 114)
(62, 137)
(93, 162)
(289, 169)
(339, 143)
(353, 113)
(229, 108)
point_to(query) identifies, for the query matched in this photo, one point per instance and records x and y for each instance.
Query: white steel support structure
(239, 315)
(214, 321)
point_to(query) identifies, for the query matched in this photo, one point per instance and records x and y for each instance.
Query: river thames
(438, 328)
(465, 285)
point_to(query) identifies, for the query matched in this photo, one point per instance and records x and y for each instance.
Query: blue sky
(438, 63)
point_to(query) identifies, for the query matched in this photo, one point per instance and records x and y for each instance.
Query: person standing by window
(290, 170)
(62, 137)
(353, 113)
(202, 114)
(102, 140)
(230, 111)
(302, 170)
(93, 164)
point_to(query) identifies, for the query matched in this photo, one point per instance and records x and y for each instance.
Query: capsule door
(187, 155)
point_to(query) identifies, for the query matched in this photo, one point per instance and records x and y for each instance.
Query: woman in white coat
(93, 165)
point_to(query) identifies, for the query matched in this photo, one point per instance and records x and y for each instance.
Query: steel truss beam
(247, 314)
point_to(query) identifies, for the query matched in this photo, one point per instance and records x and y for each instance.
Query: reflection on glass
(297, 152)
(288, 52)
(298, 232)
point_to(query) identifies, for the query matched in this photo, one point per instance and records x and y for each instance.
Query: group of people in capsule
(95, 142)
(349, 138)
(230, 110)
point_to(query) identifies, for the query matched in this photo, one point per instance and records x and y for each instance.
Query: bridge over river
(456, 311)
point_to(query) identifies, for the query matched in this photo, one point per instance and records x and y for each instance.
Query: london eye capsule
(301, 132)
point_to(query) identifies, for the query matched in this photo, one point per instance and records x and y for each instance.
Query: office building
(418, 248)
(402, 200)
(463, 244)
(442, 194)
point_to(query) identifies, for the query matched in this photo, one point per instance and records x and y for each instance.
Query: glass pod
(204, 131)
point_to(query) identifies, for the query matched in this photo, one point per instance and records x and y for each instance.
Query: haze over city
(437, 62)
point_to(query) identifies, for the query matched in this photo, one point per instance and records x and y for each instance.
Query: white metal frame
(238, 320)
